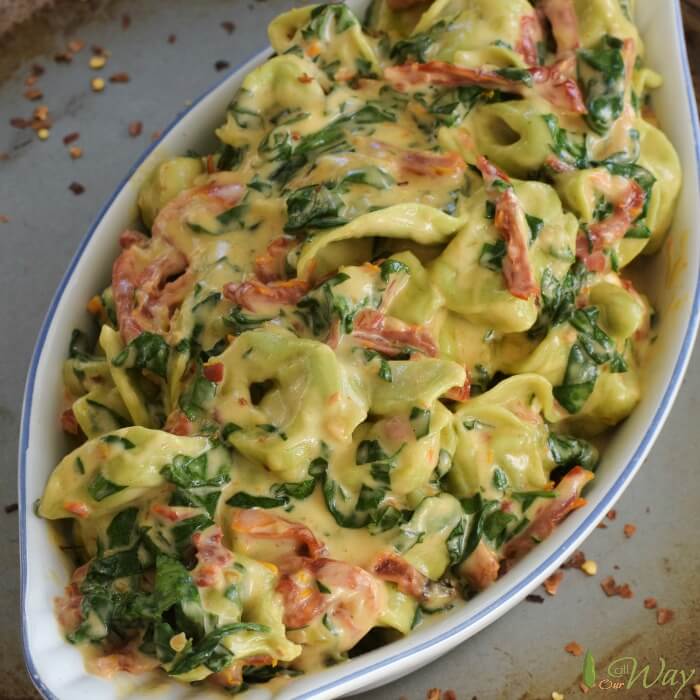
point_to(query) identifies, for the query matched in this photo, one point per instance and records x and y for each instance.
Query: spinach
(643, 177)
(371, 176)
(119, 440)
(492, 254)
(517, 75)
(299, 490)
(370, 451)
(277, 145)
(564, 146)
(602, 73)
(77, 347)
(118, 565)
(392, 267)
(499, 479)
(231, 157)
(119, 420)
(450, 107)
(416, 47)
(318, 308)
(420, 421)
(121, 528)
(241, 499)
(496, 525)
(314, 206)
(467, 534)
(535, 224)
(241, 322)
(598, 345)
(321, 15)
(234, 215)
(146, 351)
(568, 451)
(558, 299)
(100, 488)
(196, 499)
(527, 498)
(579, 379)
(197, 395)
(184, 529)
(193, 472)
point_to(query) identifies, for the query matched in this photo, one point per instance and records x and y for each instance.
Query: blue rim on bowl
(520, 587)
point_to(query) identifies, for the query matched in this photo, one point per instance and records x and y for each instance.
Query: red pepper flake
(551, 584)
(126, 21)
(624, 591)
(119, 78)
(69, 138)
(305, 79)
(98, 50)
(650, 603)
(4, 219)
(534, 598)
(574, 648)
(63, 57)
(575, 561)
(33, 94)
(222, 65)
(612, 514)
(76, 45)
(172, 38)
(76, 188)
(228, 27)
(37, 70)
(69, 423)
(77, 508)
(449, 695)
(601, 525)
(610, 588)
(75, 152)
(214, 373)
(433, 694)
(135, 129)
(664, 615)
(629, 529)
(20, 123)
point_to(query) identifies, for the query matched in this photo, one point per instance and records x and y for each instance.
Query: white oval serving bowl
(57, 668)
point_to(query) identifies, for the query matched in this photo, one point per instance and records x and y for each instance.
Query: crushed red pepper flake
(573, 648)
(99, 50)
(36, 69)
(650, 603)
(75, 152)
(126, 21)
(221, 65)
(20, 123)
(33, 94)
(228, 27)
(449, 695)
(172, 38)
(63, 57)
(664, 615)
(119, 78)
(602, 525)
(76, 45)
(612, 514)
(135, 129)
(70, 138)
(551, 584)
(629, 529)
(610, 588)
(76, 188)
(575, 561)
(433, 694)
(534, 598)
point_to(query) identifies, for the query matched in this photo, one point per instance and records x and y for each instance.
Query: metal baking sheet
(521, 656)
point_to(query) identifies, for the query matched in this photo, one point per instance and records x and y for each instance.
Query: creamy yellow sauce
(360, 360)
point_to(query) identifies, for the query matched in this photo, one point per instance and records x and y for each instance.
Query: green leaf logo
(588, 669)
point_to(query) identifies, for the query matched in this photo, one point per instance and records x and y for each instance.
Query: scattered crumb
(449, 695)
(696, 690)
(33, 94)
(69, 138)
(97, 62)
(172, 38)
(551, 585)
(629, 529)
(222, 65)
(534, 598)
(63, 57)
(557, 696)
(11, 507)
(664, 615)
(610, 588)
(99, 51)
(433, 694)
(76, 188)
(589, 567)
(575, 561)
(97, 84)
(75, 152)
(76, 45)
(650, 603)
(43, 134)
(135, 129)
(574, 648)
(228, 27)
(4, 156)
(119, 78)
(616, 567)
(612, 514)
(602, 525)
(126, 21)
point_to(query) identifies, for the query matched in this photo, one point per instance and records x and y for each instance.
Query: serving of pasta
(356, 363)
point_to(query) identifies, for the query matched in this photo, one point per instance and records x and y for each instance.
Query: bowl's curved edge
(346, 682)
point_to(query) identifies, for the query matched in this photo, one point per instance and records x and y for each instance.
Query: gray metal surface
(520, 656)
